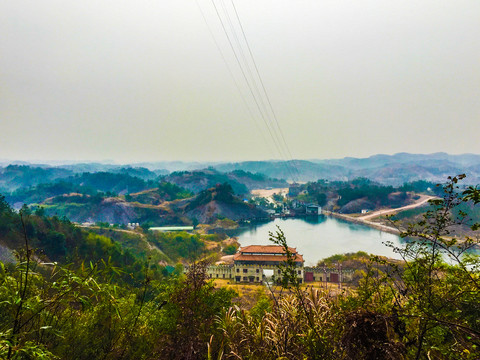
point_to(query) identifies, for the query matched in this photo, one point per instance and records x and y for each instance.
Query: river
(321, 237)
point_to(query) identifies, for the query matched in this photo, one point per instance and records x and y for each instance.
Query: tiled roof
(264, 249)
(274, 253)
(267, 258)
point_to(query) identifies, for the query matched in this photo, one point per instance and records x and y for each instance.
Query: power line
(258, 95)
(255, 88)
(234, 79)
(263, 86)
(245, 77)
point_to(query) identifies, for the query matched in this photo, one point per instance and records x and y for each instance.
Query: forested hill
(33, 184)
(218, 202)
(241, 181)
(391, 170)
(120, 197)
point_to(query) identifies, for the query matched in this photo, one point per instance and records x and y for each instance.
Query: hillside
(114, 210)
(164, 192)
(255, 181)
(199, 180)
(13, 177)
(216, 203)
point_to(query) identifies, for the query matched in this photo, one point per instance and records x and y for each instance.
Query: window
(245, 278)
(258, 278)
(299, 272)
(245, 270)
(238, 270)
(224, 276)
(258, 271)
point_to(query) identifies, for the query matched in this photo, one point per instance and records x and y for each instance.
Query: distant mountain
(298, 170)
(384, 160)
(171, 166)
(13, 177)
(384, 169)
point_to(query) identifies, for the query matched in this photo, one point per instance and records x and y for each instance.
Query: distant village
(293, 208)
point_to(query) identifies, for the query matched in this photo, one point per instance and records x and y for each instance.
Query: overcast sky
(152, 80)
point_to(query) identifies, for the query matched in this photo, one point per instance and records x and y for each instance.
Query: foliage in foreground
(48, 311)
(428, 308)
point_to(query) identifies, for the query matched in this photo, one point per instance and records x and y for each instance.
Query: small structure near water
(172, 228)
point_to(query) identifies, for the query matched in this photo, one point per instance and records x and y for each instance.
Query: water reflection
(317, 238)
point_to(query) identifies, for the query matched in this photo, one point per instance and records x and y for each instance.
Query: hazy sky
(144, 80)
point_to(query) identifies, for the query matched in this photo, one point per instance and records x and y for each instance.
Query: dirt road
(423, 199)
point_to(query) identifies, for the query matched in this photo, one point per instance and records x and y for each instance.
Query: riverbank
(361, 221)
(365, 219)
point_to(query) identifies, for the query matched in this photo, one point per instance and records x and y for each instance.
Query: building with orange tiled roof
(265, 255)
(250, 262)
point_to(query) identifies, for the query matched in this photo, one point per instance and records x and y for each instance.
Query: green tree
(437, 294)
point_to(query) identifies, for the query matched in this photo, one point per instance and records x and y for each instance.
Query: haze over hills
(384, 169)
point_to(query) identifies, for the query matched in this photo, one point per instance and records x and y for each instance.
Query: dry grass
(249, 293)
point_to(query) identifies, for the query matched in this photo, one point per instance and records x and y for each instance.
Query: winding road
(423, 199)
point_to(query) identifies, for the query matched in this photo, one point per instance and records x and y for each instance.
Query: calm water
(317, 239)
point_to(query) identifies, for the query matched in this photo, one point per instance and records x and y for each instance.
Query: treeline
(336, 195)
(59, 240)
(103, 183)
(28, 184)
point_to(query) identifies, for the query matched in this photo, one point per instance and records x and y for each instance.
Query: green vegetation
(13, 177)
(163, 192)
(113, 303)
(40, 192)
(49, 311)
(221, 192)
(262, 202)
(199, 180)
(171, 192)
(178, 245)
(422, 186)
(114, 183)
(360, 193)
(344, 258)
(230, 249)
(376, 194)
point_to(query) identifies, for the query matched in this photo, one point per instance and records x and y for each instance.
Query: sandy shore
(265, 193)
